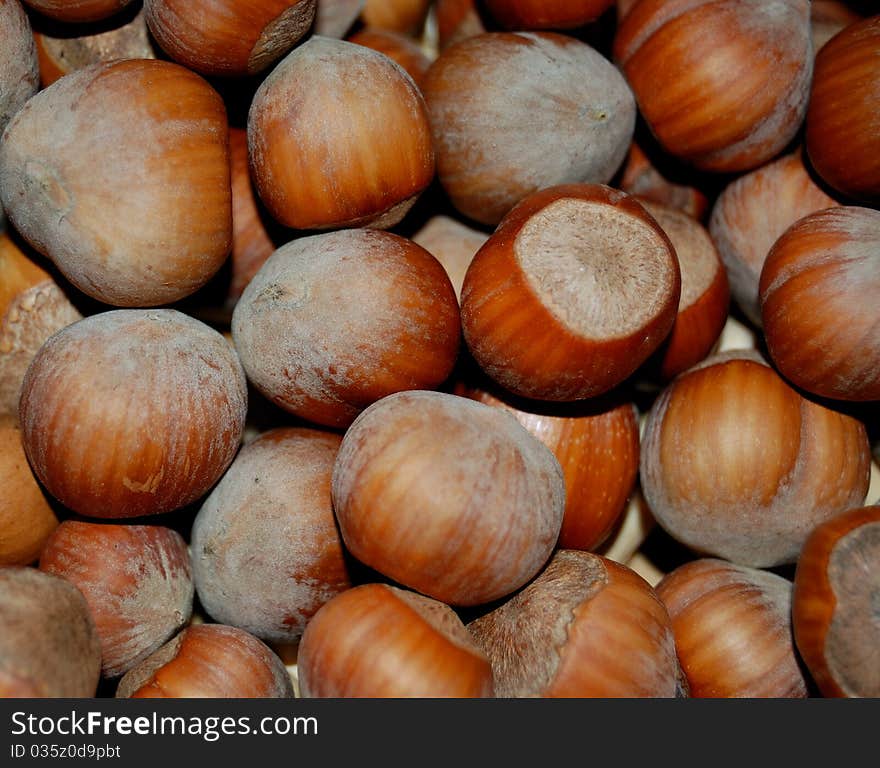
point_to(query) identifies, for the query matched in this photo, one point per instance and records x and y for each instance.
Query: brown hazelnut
(209, 661)
(153, 223)
(513, 113)
(576, 630)
(735, 463)
(835, 604)
(574, 290)
(732, 628)
(136, 580)
(314, 170)
(447, 496)
(132, 412)
(818, 294)
(333, 322)
(379, 641)
(266, 551)
(722, 84)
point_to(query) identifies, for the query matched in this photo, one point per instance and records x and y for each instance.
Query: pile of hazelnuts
(439, 348)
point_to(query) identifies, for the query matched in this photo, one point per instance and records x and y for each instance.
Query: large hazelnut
(574, 290)
(513, 113)
(152, 223)
(818, 292)
(841, 137)
(447, 496)
(314, 170)
(333, 322)
(132, 412)
(379, 641)
(228, 37)
(209, 661)
(584, 627)
(735, 463)
(266, 551)
(135, 578)
(722, 84)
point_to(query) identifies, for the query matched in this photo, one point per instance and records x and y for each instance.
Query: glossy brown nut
(818, 293)
(60, 52)
(316, 171)
(752, 212)
(834, 608)
(132, 412)
(447, 496)
(77, 11)
(575, 289)
(379, 641)
(135, 578)
(723, 84)
(32, 307)
(19, 67)
(574, 631)
(153, 223)
(705, 293)
(546, 14)
(209, 661)
(735, 463)
(597, 446)
(26, 519)
(841, 137)
(48, 647)
(266, 551)
(227, 37)
(732, 628)
(513, 113)
(333, 322)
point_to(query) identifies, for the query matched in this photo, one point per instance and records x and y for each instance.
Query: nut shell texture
(338, 136)
(733, 630)
(723, 84)
(835, 604)
(376, 640)
(584, 627)
(19, 68)
(211, 661)
(151, 220)
(228, 37)
(266, 551)
(48, 647)
(735, 463)
(818, 292)
(842, 137)
(750, 215)
(512, 113)
(333, 322)
(135, 578)
(447, 496)
(132, 412)
(575, 289)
